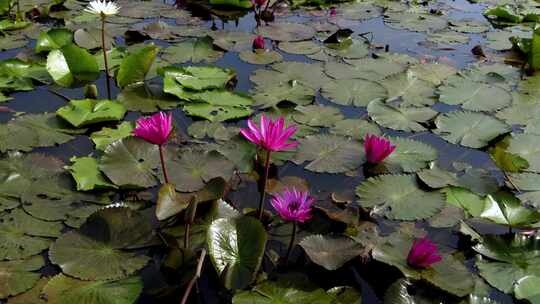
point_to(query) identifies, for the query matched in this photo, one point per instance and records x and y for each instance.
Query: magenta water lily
(294, 206)
(258, 43)
(423, 254)
(377, 148)
(156, 129)
(271, 136)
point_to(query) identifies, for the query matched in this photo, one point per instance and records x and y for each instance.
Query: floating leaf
(62, 289)
(136, 65)
(96, 250)
(196, 50)
(354, 128)
(356, 92)
(465, 199)
(236, 247)
(527, 147)
(284, 31)
(90, 111)
(106, 136)
(317, 115)
(129, 162)
(504, 208)
(400, 197)
(146, 98)
(260, 57)
(410, 88)
(529, 187)
(474, 96)
(469, 129)
(329, 153)
(71, 64)
(17, 276)
(53, 39)
(398, 118)
(410, 155)
(87, 175)
(331, 252)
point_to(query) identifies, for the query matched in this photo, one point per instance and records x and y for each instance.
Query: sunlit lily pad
(527, 147)
(87, 175)
(412, 90)
(504, 208)
(17, 276)
(105, 136)
(90, 111)
(236, 247)
(469, 129)
(136, 65)
(196, 51)
(53, 39)
(71, 64)
(399, 197)
(62, 289)
(400, 118)
(474, 96)
(129, 162)
(96, 250)
(410, 155)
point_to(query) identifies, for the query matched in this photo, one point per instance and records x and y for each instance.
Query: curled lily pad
(129, 162)
(236, 247)
(53, 39)
(97, 251)
(504, 208)
(62, 289)
(71, 64)
(90, 111)
(399, 197)
(136, 65)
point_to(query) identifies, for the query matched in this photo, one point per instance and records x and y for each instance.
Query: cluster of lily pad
(153, 202)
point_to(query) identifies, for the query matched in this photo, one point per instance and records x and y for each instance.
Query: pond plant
(340, 152)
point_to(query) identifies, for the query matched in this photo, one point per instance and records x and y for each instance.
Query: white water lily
(102, 7)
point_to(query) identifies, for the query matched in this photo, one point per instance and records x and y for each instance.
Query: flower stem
(165, 175)
(265, 179)
(105, 56)
(195, 277)
(186, 235)
(291, 244)
(18, 10)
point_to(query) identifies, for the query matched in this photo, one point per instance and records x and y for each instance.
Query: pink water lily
(258, 43)
(333, 12)
(270, 135)
(423, 254)
(377, 148)
(293, 205)
(154, 129)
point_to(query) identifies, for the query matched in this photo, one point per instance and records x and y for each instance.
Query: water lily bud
(258, 43)
(91, 91)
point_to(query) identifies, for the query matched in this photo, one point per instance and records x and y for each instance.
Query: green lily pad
(469, 129)
(469, 25)
(365, 68)
(504, 208)
(97, 251)
(17, 276)
(356, 92)
(195, 51)
(23, 235)
(260, 57)
(310, 74)
(329, 153)
(399, 197)
(412, 90)
(300, 48)
(34, 130)
(526, 146)
(450, 274)
(271, 95)
(331, 252)
(32, 296)
(410, 155)
(130, 162)
(106, 136)
(474, 96)
(413, 21)
(471, 202)
(90, 111)
(528, 184)
(62, 289)
(317, 115)
(354, 128)
(146, 98)
(90, 38)
(215, 130)
(72, 64)
(136, 65)
(236, 248)
(191, 169)
(400, 118)
(10, 42)
(199, 78)
(87, 175)
(53, 39)
(448, 38)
